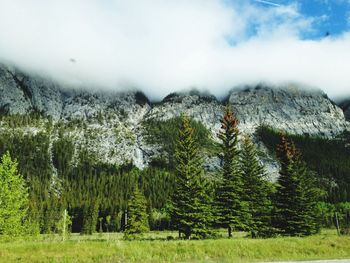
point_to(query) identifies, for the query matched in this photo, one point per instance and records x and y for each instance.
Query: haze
(161, 46)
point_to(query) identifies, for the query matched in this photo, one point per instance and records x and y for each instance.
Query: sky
(163, 46)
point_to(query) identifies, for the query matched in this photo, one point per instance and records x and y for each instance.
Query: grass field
(111, 248)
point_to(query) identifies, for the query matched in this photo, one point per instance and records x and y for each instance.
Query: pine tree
(90, 216)
(232, 209)
(257, 191)
(137, 223)
(13, 198)
(296, 197)
(191, 200)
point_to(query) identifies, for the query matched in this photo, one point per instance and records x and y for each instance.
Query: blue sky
(332, 16)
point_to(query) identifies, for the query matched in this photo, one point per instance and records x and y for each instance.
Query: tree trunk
(229, 230)
(64, 224)
(337, 223)
(187, 233)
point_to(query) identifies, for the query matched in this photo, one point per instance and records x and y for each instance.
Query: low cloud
(164, 46)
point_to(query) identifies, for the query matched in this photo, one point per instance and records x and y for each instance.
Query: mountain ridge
(110, 124)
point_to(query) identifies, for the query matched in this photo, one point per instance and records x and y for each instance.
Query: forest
(96, 195)
(329, 158)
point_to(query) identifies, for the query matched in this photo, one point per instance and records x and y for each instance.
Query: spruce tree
(13, 198)
(137, 223)
(191, 199)
(232, 209)
(296, 196)
(90, 216)
(257, 191)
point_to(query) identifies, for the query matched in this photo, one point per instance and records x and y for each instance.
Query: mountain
(345, 105)
(113, 127)
(85, 149)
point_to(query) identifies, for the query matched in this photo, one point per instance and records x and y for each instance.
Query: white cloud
(161, 46)
(268, 3)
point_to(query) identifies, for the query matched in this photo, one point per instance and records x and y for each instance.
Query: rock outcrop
(289, 108)
(110, 124)
(345, 105)
(21, 94)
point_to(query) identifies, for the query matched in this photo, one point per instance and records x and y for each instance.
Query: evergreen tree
(13, 198)
(329, 158)
(90, 216)
(257, 191)
(232, 209)
(137, 223)
(191, 201)
(63, 225)
(296, 197)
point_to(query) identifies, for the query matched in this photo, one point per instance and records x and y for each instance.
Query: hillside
(84, 148)
(345, 105)
(112, 124)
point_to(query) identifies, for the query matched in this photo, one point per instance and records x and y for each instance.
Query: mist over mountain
(161, 47)
(115, 126)
(150, 117)
(83, 143)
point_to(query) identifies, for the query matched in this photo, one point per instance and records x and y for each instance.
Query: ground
(156, 248)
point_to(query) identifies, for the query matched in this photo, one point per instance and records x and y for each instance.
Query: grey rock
(288, 108)
(345, 105)
(109, 124)
(22, 94)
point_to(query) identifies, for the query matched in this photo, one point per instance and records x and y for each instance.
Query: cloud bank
(162, 46)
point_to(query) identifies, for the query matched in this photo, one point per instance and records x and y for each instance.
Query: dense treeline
(243, 199)
(18, 120)
(96, 195)
(165, 134)
(329, 158)
(33, 157)
(335, 215)
(90, 190)
(101, 190)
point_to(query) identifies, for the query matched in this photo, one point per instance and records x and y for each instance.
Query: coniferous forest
(175, 192)
(174, 131)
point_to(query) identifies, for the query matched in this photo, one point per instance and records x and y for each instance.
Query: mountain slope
(111, 125)
(345, 105)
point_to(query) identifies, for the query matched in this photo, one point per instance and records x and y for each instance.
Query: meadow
(160, 247)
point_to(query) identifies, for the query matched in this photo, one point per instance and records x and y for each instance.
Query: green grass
(111, 248)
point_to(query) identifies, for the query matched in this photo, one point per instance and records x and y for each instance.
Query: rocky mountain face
(345, 105)
(290, 108)
(111, 124)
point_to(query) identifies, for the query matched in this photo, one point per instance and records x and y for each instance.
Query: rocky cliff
(111, 124)
(345, 105)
